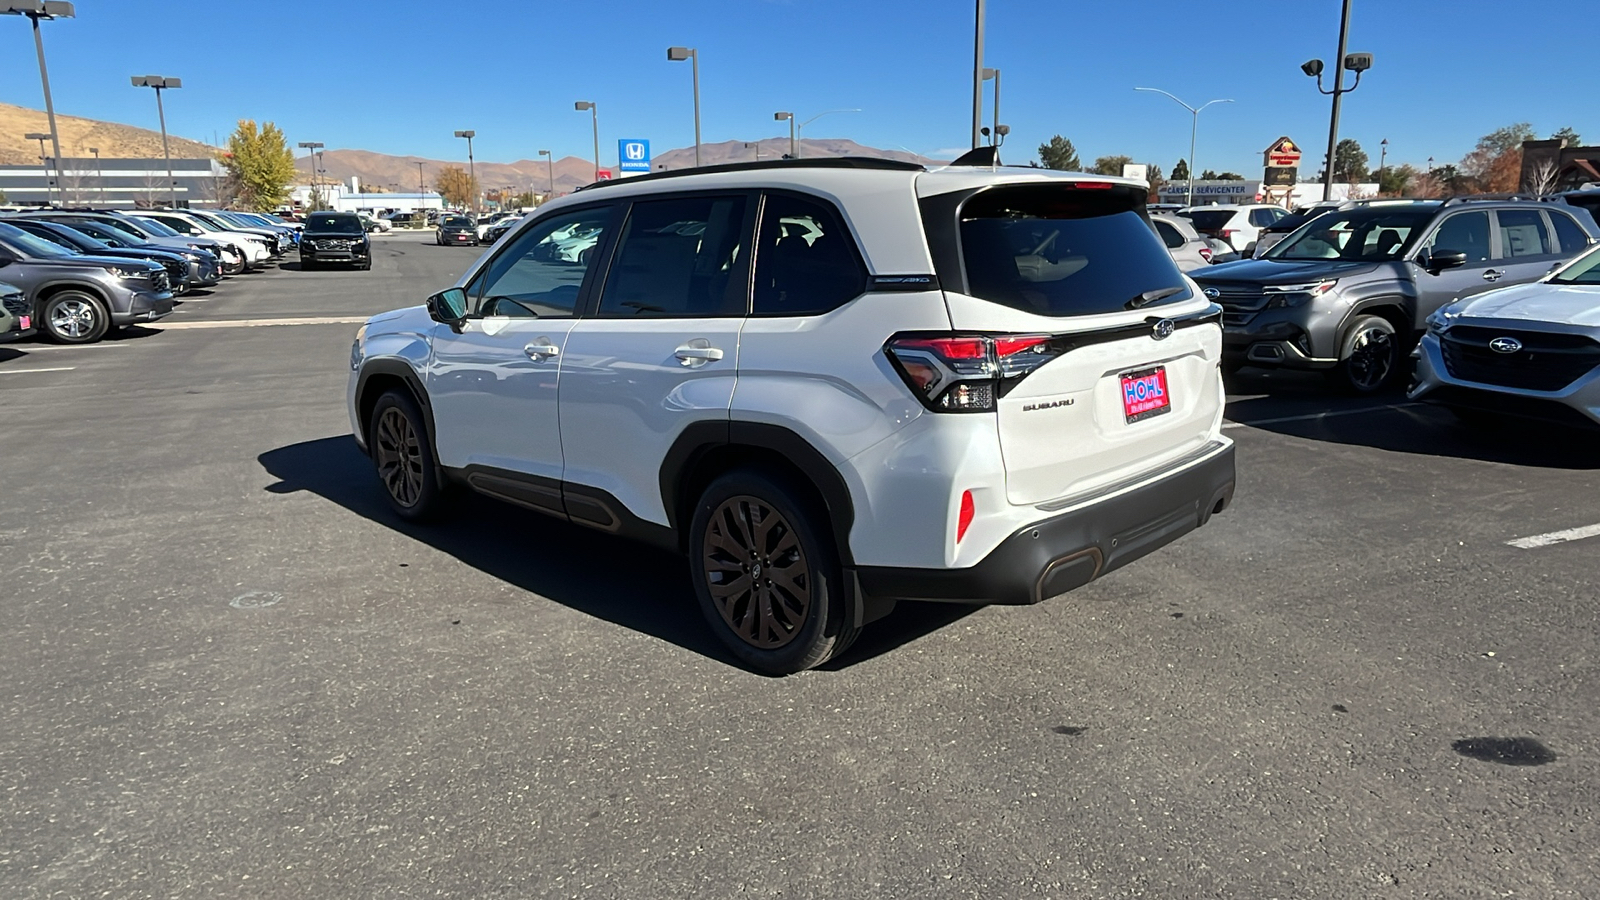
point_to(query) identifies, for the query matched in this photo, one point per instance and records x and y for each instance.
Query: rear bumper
(1059, 554)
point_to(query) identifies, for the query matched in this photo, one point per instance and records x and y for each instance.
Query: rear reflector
(965, 519)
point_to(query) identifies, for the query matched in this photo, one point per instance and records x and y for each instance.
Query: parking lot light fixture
(472, 172)
(550, 163)
(994, 75)
(594, 115)
(41, 137)
(780, 116)
(801, 128)
(162, 83)
(311, 148)
(36, 10)
(1355, 62)
(1194, 127)
(1383, 159)
(679, 54)
(100, 174)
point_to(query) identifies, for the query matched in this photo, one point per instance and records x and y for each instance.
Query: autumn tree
(1059, 154)
(260, 165)
(456, 186)
(1495, 164)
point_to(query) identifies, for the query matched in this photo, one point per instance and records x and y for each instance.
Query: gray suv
(80, 298)
(1349, 291)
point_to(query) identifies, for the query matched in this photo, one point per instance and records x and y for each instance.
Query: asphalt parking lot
(228, 671)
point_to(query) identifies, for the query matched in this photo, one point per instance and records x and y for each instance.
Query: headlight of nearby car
(1283, 296)
(1443, 317)
(130, 273)
(358, 349)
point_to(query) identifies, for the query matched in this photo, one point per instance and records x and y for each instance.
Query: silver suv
(79, 298)
(1349, 291)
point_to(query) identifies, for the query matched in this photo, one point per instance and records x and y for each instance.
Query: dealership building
(124, 183)
(1233, 193)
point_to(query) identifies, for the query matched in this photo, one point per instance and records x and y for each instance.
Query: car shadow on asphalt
(620, 581)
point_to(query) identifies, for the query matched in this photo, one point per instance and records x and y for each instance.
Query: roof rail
(824, 162)
(1491, 198)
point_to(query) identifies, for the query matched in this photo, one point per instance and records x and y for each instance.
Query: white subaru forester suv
(832, 384)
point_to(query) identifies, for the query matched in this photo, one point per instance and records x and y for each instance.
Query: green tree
(456, 186)
(1572, 138)
(1393, 181)
(260, 165)
(1059, 154)
(1208, 175)
(1349, 162)
(1228, 176)
(1111, 165)
(1180, 172)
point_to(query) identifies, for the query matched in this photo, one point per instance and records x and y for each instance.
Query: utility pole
(977, 78)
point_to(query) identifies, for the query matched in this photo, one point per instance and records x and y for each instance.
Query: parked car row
(75, 275)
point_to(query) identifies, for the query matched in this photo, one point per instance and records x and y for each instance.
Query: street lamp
(793, 146)
(161, 83)
(100, 174)
(1194, 126)
(679, 54)
(472, 172)
(422, 192)
(41, 137)
(36, 10)
(977, 77)
(550, 163)
(1355, 62)
(1383, 157)
(994, 74)
(594, 113)
(311, 148)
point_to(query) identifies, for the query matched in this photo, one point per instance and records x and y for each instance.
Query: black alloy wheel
(766, 575)
(1371, 355)
(397, 438)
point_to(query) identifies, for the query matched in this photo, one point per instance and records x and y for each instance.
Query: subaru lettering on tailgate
(1144, 394)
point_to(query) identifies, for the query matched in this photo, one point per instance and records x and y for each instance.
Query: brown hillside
(78, 135)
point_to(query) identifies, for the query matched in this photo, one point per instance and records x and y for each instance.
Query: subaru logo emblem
(1213, 293)
(1163, 329)
(1505, 345)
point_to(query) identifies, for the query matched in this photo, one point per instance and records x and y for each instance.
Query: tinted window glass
(156, 228)
(1169, 235)
(1210, 219)
(1522, 233)
(346, 224)
(1466, 232)
(1061, 251)
(1360, 234)
(114, 237)
(679, 257)
(47, 235)
(1586, 270)
(1568, 233)
(540, 273)
(458, 222)
(806, 261)
(1261, 218)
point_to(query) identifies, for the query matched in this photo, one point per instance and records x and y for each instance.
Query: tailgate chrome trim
(1209, 449)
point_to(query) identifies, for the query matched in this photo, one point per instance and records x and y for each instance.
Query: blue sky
(399, 76)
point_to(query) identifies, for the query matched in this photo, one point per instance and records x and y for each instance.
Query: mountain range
(77, 135)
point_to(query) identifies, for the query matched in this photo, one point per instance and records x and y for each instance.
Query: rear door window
(1169, 235)
(680, 257)
(1571, 237)
(1522, 233)
(1061, 250)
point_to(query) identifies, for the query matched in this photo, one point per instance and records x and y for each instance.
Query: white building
(348, 198)
(1233, 193)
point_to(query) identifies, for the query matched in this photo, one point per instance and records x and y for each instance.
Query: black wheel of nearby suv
(767, 574)
(1371, 356)
(74, 317)
(397, 438)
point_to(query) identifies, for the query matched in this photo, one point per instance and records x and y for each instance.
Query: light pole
(161, 83)
(1383, 159)
(550, 163)
(422, 193)
(801, 128)
(36, 10)
(594, 114)
(994, 74)
(100, 174)
(793, 145)
(977, 77)
(311, 148)
(756, 145)
(472, 172)
(1194, 127)
(1355, 62)
(679, 54)
(41, 137)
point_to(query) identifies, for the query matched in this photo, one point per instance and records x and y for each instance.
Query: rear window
(458, 222)
(1065, 251)
(1210, 219)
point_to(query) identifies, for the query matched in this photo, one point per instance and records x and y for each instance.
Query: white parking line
(1321, 415)
(1555, 537)
(28, 371)
(258, 323)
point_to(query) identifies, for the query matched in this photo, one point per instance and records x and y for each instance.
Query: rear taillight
(1205, 253)
(967, 373)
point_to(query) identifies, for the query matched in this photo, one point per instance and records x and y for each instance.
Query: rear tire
(767, 574)
(74, 317)
(402, 453)
(1370, 357)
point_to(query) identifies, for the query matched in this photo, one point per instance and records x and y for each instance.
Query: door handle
(541, 350)
(697, 353)
(1492, 274)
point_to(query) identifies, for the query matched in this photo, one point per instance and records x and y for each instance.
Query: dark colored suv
(1350, 291)
(335, 237)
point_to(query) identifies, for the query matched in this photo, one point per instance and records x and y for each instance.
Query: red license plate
(1144, 394)
(27, 322)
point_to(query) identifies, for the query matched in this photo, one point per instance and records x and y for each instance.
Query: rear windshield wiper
(1149, 297)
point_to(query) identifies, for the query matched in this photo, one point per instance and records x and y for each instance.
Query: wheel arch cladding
(379, 376)
(707, 449)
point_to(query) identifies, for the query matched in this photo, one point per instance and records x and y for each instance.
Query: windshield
(345, 223)
(1065, 251)
(1583, 270)
(99, 232)
(458, 222)
(157, 228)
(1372, 234)
(31, 245)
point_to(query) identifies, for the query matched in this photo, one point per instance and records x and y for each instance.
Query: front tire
(767, 574)
(1370, 357)
(74, 317)
(402, 453)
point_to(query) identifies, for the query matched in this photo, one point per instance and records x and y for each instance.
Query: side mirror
(449, 307)
(1446, 259)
